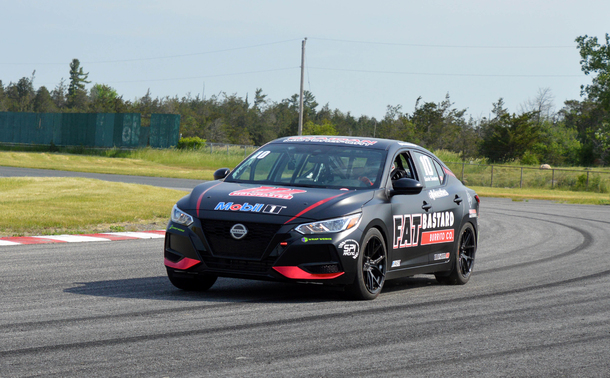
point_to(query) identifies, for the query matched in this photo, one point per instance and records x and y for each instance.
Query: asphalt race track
(538, 304)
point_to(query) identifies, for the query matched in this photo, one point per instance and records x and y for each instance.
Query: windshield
(312, 165)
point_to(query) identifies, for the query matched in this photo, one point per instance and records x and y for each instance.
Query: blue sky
(361, 56)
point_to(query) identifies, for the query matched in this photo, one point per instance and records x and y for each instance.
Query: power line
(436, 74)
(444, 46)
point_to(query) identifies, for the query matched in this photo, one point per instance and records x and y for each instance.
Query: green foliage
(191, 143)
(326, 128)
(529, 158)
(508, 137)
(104, 99)
(595, 59)
(77, 94)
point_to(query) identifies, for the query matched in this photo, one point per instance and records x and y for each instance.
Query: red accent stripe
(111, 237)
(184, 263)
(313, 206)
(202, 194)
(30, 240)
(296, 273)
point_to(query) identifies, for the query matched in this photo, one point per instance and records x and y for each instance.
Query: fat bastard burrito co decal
(268, 192)
(411, 230)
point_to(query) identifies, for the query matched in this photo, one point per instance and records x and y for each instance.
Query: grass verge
(47, 206)
(189, 164)
(560, 196)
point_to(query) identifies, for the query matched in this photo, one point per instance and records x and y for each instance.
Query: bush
(191, 143)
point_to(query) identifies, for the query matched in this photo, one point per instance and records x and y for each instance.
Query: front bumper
(268, 252)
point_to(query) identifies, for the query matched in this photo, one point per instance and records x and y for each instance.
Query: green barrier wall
(90, 129)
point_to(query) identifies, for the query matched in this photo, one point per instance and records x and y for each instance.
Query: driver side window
(402, 167)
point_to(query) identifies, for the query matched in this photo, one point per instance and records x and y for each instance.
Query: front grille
(238, 265)
(323, 269)
(251, 246)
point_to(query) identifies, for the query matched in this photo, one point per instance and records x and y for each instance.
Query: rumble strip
(19, 240)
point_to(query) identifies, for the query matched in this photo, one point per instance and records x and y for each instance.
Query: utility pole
(301, 94)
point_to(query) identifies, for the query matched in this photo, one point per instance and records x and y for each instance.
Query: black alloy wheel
(372, 264)
(463, 263)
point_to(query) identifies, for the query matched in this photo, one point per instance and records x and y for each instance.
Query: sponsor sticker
(411, 230)
(472, 213)
(436, 237)
(350, 247)
(437, 193)
(441, 256)
(395, 263)
(172, 227)
(246, 207)
(268, 192)
(305, 240)
(352, 141)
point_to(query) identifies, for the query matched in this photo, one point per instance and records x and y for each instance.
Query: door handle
(457, 199)
(426, 206)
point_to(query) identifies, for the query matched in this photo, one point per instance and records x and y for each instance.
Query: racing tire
(372, 267)
(463, 258)
(200, 282)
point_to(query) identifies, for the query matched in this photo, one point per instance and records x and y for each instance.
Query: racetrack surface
(538, 304)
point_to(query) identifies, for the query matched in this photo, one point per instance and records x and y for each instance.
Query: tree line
(576, 134)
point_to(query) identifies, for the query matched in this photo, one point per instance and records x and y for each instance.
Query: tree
(509, 137)
(59, 94)
(438, 126)
(103, 99)
(326, 128)
(542, 105)
(21, 94)
(43, 102)
(596, 60)
(77, 94)
(3, 107)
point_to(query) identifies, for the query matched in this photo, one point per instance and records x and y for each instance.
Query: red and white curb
(111, 236)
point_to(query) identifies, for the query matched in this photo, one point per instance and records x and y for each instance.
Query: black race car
(334, 210)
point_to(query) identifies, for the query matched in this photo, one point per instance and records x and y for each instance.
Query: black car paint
(316, 253)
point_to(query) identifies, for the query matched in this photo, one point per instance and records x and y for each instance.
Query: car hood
(286, 204)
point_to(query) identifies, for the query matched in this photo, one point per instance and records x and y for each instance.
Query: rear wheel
(199, 282)
(372, 267)
(463, 258)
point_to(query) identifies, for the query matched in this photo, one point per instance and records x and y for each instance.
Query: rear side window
(427, 170)
(439, 170)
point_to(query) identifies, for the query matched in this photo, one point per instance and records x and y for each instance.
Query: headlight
(331, 225)
(180, 217)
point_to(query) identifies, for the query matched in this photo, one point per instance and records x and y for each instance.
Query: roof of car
(376, 143)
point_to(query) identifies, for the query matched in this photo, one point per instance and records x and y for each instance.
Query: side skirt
(424, 269)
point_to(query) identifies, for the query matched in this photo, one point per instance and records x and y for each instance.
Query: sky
(360, 56)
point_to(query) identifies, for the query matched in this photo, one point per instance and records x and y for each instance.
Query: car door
(407, 218)
(442, 212)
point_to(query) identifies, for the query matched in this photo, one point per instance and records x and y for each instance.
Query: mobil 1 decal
(411, 230)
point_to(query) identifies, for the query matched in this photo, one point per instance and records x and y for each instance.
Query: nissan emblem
(238, 231)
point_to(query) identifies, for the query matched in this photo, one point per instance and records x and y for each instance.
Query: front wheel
(463, 258)
(196, 283)
(372, 267)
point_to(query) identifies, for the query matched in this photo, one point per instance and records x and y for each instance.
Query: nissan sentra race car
(341, 211)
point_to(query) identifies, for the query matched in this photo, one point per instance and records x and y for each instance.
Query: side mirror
(406, 186)
(221, 173)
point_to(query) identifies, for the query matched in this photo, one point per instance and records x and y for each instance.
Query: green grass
(46, 206)
(560, 196)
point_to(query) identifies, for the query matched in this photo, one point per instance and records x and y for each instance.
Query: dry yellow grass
(98, 164)
(45, 206)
